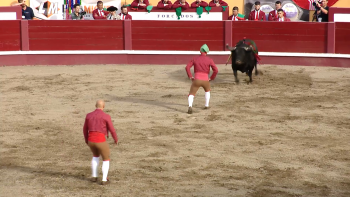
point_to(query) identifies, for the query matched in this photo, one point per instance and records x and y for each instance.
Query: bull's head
(239, 53)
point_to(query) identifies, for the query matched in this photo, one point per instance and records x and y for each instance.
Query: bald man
(96, 127)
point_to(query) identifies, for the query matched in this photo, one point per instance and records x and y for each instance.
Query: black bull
(243, 59)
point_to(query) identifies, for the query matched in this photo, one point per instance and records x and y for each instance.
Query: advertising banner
(171, 16)
(47, 10)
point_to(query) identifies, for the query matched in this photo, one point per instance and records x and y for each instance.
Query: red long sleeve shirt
(196, 4)
(213, 4)
(202, 64)
(178, 4)
(100, 122)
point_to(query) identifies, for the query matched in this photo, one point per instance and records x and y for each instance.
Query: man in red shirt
(124, 14)
(217, 3)
(281, 16)
(164, 4)
(181, 3)
(202, 65)
(96, 127)
(235, 16)
(273, 14)
(198, 3)
(99, 13)
(140, 4)
(257, 14)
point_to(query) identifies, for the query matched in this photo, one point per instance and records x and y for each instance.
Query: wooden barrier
(297, 37)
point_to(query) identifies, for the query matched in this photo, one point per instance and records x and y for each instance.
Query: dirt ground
(286, 134)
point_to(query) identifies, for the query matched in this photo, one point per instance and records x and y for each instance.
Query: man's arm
(203, 4)
(160, 5)
(186, 6)
(223, 3)
(32, 14)
(96, 16)
(111, 129)
(194, 5)
(188, 69)
(212, 4)
(323, 10)
(86, 130)
(215, 70)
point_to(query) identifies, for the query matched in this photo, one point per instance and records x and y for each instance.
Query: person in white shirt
(113, 13)
(281, 17)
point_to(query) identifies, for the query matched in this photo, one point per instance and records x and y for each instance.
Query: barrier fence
(301, 37)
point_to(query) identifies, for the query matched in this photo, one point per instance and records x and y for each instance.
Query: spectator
(99, 13)
(27, 12)
(113, 13)
(281, 16)
(217, 3)
(273, 15)
(235, 16)
(322, 12)
(76, 15)
(164, 4)
(181, 3)
(199, 3)
(124, 15)
(257, 14)
(140, 4)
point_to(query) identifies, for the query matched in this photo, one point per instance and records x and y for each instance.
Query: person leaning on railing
(113, 13)
(27, 12)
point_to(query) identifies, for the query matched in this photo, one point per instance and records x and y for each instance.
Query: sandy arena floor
(287, 134)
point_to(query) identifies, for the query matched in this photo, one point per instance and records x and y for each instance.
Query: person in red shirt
(202, 65)
(235, 16)
(281, 16)
(181, 3)
(124, 14)
(257, 14)
(164, 4)
(99, 13)
(96, 127)
(198, 3)
(273, 14)
(217, 3)
(140, 4)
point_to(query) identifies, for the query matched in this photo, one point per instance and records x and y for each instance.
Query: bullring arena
(286, 134)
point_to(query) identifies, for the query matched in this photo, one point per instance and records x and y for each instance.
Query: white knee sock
(190, 100)
(105, 168)
(207, 98)
(94, 165)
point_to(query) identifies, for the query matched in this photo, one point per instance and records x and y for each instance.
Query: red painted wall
(342, 38)
(177, 35)
(10, 36)
(283, 36)
(76, 35)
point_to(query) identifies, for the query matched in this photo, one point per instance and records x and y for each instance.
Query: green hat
(178, 12)
(208, 9)
(224, 8)
(200, 11)
(149, 8)
(205, 48)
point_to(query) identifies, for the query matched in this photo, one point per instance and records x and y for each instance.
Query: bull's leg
(250, 75)
(256, 68)
(235, 74)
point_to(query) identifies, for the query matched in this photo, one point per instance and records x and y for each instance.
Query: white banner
(90, 5)
(8, 15)
(171, 16)
(47, 10)
(338, 17)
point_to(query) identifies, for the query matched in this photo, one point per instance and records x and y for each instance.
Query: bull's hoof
(237, 82)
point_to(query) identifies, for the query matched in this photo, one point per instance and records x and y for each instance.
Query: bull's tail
(256, 67)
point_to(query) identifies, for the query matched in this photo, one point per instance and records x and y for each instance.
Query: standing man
(235, 16)
(99, 13)
(281, 16)
(27, 12)
(96, 127)
(217, 3)
(199, 3)
(257, 14)
(322, 13)
(76, 15)
(202, 65)
(273, 15)
(124, 14)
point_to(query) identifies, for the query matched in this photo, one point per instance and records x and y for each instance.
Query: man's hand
(218, 4)
(116, 143)
(192, 78)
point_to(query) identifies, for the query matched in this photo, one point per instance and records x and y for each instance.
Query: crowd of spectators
(278, 14)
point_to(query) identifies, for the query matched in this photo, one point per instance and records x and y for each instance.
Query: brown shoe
(94, 179)
(207, 107)
(189, 110)
(105, 182)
